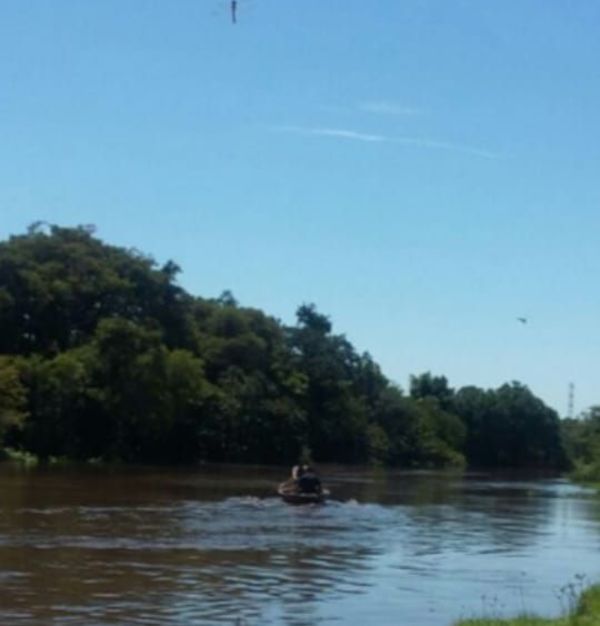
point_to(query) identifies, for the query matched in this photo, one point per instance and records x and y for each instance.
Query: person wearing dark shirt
(308, 481)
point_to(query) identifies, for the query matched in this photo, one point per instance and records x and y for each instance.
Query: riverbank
(585, 613)
(587, 474)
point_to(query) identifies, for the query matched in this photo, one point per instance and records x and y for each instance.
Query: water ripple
(175, 553)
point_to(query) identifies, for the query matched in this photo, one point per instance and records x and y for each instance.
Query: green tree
(509, 427)
(62, 414)
(428, 386)
(421, 434)
(12, 396)
(103, 354)
(153, 398)
(56, 286)
(581, 437)
(337, 415)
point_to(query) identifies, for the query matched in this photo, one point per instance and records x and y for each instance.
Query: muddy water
(215, 546)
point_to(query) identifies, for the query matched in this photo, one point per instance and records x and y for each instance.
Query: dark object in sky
(234, 11)
(523, 320)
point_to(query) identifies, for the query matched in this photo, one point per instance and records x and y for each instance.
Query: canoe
(290, 494)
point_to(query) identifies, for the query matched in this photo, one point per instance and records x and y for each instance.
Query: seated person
(308, 481)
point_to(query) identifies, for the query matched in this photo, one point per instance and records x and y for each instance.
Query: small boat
(290, 493)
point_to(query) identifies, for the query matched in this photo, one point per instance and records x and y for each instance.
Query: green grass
(18, 456)
(585, 613)
(28, 459)
(587, 472)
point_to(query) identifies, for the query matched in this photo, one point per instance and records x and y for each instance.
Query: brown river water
(214, 545)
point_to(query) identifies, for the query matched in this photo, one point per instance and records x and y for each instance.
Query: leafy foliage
(509, 427)
(12, 396)
(104, 355)
(582, 441)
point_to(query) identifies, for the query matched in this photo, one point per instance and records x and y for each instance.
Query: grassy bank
(16, 456)
(585, 613)
(31, 460)
(587, 474)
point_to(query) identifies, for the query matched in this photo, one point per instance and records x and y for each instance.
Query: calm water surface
(214, 546)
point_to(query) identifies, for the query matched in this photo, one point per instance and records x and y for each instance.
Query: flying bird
(231, 8)
(523, 320)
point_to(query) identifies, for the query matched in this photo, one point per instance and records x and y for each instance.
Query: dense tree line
(103, 355)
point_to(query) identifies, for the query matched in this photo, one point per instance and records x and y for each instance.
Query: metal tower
(571, 400)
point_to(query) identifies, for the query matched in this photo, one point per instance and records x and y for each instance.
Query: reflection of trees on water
(158, 549)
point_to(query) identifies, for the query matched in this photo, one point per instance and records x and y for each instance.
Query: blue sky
(425, 171)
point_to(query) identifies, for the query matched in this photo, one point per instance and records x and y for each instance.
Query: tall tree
(12, 396)
(509, 427)
(428, 386)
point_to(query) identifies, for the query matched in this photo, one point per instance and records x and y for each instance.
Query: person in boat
(297, 472)
(308, 481)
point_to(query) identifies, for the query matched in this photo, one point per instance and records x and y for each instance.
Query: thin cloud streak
(418, 142)
(337, 133)
(383, 107)
(445, 145)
